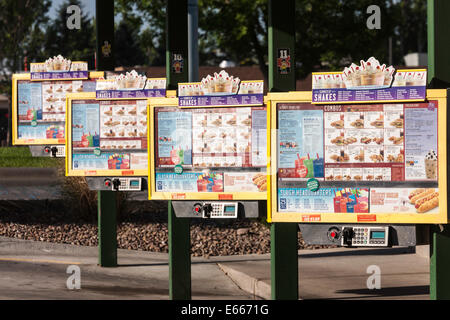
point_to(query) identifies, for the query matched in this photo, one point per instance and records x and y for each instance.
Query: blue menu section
(186, 182)
(86, 125)
(29, 97)
(30, 132)
(175, 136)
(300, 136)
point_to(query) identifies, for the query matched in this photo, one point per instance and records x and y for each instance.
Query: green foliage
(72, 44)
(233, 30)
(19, 29)
(21, 157)
(147, 19)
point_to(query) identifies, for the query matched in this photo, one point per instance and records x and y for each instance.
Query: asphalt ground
(38, 270)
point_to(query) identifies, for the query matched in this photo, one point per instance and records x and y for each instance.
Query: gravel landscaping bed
(140, 228)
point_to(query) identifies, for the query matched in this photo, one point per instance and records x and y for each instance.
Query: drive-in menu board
(368, 159)
(40, 108)
(108, 137)
(218, 150)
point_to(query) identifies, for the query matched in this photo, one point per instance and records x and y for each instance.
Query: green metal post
(177, 43)
(107, 200)
(107, 233)
(176, 72)
(438, 43)
(179, 257)
(284, 257)
(439, 78)
(284, 261)
(440, 263)
(282, 45)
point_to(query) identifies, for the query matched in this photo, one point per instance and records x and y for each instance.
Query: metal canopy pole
(193, 40)
(284, 257)
(107, 200)
(179, 228)
(439, 77)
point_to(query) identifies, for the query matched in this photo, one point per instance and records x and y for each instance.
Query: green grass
(19, 157)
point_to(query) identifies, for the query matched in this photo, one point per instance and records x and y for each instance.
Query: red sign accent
(90, 172)
(178, 195)
(61, 140)
(128, 173)
(367, 218)
(311, 218)
(225, 197)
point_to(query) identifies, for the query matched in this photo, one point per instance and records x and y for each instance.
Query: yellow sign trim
(388, 217)
(157, 195)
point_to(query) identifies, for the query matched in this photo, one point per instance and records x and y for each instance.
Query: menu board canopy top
(220, 90)
(131, 85)
(368, 82)
(59, 68)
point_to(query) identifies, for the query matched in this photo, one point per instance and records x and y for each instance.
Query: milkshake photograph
(431, 165)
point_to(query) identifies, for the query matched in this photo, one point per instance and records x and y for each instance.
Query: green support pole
(179, 257)
(284, 257)
(282, 45)
(107, 233)
(440, 263)
(177, 43)
(107, 200)
(439, 78)
(179, 228)
(284, 261)
(438, 43)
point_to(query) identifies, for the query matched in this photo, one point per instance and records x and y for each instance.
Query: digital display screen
(229, 208)
(134, 183)
(377, 234)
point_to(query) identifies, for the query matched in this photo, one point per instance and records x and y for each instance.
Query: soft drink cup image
(318, 168)
(337, 204)
(343, 205)
(202, 185)
(310, 167)
(96, 140)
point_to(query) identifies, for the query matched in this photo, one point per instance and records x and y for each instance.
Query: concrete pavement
(37, 270)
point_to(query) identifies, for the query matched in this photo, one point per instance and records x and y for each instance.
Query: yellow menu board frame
(158, 195)
(15, 114)
(273, 215)
(96, 173)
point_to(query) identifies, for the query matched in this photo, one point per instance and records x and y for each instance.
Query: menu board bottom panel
(331, 218)
(27, 142)
(108, 173)
(201, 196)
(363, 184)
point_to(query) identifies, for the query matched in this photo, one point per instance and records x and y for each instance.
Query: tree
(237, 28)
(19, 28)
(128, 50)
(74, 44)
(148, 19)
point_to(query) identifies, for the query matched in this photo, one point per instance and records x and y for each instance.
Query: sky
(88, 7)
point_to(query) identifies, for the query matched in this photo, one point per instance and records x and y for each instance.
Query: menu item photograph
(431, 165)
(404, 200)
